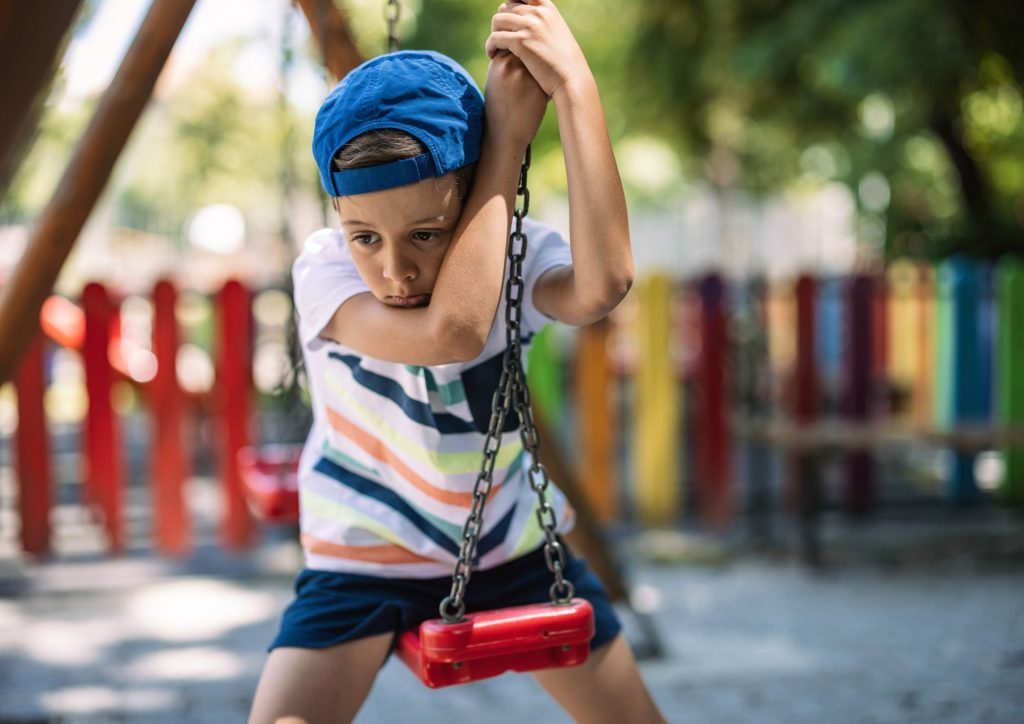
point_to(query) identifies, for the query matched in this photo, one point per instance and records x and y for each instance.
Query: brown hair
(386, 145)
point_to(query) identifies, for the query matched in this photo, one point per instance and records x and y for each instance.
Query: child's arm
(602, 268)
(455, 325)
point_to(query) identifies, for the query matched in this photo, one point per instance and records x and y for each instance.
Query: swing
(270, 475)
(460, 647)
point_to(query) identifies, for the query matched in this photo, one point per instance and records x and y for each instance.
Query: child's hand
(534, 31)
(514, 104)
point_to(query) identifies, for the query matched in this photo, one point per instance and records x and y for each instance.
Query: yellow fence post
(657, 454)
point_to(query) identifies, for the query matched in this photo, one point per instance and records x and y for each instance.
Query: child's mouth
(417, 300)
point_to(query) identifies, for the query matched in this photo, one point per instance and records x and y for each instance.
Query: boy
(402, 329)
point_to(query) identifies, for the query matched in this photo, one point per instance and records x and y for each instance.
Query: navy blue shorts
(332, 607)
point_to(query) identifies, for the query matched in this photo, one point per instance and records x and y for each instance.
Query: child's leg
(607, 688)
(318, 685)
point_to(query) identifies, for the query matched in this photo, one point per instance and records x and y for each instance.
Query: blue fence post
(960, 289)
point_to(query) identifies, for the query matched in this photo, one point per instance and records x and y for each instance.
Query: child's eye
(425, 235)
(364, 239)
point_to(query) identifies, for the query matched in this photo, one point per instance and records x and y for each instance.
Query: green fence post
(1010, 370)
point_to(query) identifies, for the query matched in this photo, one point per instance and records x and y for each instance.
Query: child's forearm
(598, 223)
(469, 282)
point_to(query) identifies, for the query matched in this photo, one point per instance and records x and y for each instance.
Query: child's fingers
(501, 40)
(508, 21)
(514, 8)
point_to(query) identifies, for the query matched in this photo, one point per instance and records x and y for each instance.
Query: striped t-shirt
(387, 472)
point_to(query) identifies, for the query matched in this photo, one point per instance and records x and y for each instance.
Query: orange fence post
(597, 419)
(104, 476)
(233, 385)
(32, 446)
(167, 409)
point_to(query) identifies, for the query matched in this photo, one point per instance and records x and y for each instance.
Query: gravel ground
(911, 621)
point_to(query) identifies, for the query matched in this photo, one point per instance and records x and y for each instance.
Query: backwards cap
(423, 93)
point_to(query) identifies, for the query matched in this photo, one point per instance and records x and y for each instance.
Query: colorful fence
(919, 356)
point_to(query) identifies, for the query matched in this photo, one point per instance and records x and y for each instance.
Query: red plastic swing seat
(489, 643)
(271, 480)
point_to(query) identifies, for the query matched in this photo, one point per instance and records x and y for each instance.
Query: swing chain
(511, 392)
(392, 12)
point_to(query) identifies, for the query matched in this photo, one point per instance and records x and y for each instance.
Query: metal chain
(511, 392)
(392, 12)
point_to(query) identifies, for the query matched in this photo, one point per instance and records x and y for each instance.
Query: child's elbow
(462, 342)
(603, 298)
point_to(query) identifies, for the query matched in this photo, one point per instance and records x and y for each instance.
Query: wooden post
(84, 179)
(104, 477)
(859, 470)
(332, 35)
(234, 365)
(904, 335)
(924, 376)
(804, 464)
(880, 383)
(1010, 405)
(32, 36)
(713, 443)
(169, 470)
(596, 413)
(32, 448)
(545, 376)
(752, 371)
(960, 286)
(657, 457)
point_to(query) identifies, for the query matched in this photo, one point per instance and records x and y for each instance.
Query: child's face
(398, 237)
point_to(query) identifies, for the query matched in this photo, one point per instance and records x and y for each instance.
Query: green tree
(924, 95)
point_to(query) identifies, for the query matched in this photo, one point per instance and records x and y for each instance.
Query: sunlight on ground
(196, 609)
(198, 663)
(71, 643)
(92, 699)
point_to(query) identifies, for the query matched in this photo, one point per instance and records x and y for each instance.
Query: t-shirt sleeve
(324, 277)
(546, 249)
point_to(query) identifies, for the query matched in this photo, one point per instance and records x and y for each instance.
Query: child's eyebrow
(441, 217)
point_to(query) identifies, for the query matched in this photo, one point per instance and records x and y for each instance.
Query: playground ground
(918, 617)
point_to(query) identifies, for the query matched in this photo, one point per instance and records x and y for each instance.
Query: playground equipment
(927, 334)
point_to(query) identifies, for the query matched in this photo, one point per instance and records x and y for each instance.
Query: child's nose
(398, 268)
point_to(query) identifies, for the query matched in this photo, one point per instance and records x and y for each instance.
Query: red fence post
(881, 384)
(104, 476)
(233, 385)
(32, 446)
(860, 470)
(170, 469)
(805, 408)
(713, 434)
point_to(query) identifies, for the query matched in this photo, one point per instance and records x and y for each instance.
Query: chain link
(512, 393)
(392, 12)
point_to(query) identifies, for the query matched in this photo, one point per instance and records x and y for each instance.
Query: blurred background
(797, 447)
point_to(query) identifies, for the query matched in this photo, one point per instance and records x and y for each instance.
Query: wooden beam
(32, 39)
(829, 436)
(330, 28)
(84, 179)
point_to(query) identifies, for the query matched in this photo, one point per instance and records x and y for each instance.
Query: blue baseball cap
(421, 92)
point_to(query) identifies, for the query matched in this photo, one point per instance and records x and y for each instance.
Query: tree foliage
(924, 95)
(915, 105)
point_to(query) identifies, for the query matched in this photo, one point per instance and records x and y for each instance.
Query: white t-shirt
(387, 472)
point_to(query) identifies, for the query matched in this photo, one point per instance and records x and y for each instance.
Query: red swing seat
(489, 643)
(271, 480)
